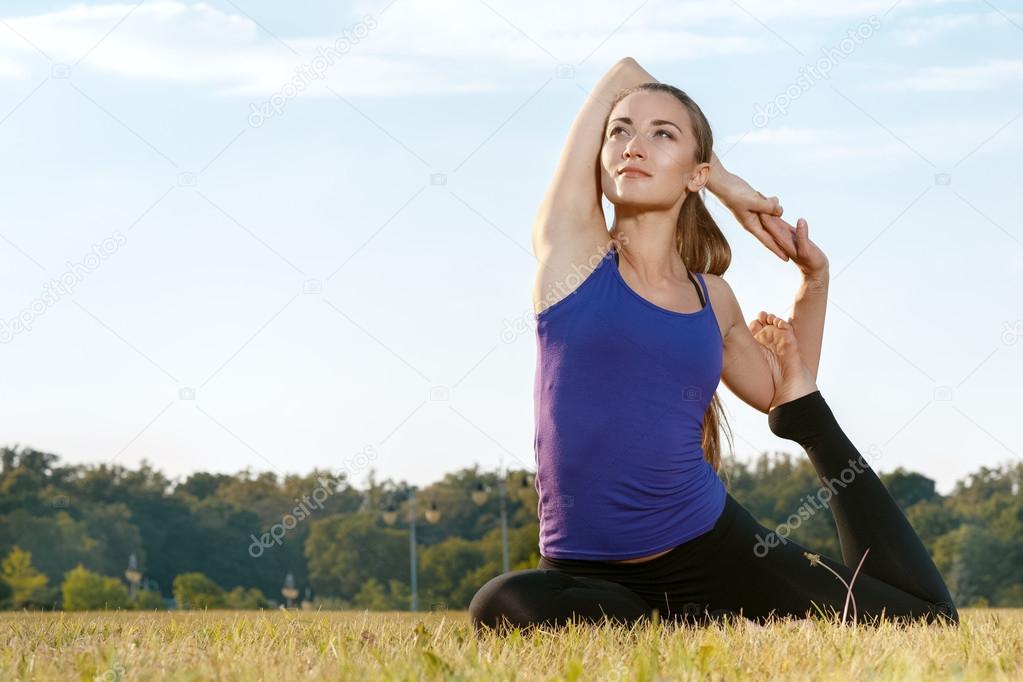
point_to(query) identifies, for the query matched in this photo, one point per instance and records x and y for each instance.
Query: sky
(286, 236)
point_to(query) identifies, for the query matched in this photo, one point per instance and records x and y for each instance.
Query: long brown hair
(701, 246)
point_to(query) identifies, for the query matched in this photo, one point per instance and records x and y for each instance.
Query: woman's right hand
(746, 204)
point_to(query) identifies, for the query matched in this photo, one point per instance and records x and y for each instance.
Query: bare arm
(808, 318)
(572, 205)
(811, 303)
(746, 368)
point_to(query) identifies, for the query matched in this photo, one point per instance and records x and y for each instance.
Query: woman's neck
(647, 243)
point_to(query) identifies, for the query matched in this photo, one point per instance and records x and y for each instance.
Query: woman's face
(651, 131)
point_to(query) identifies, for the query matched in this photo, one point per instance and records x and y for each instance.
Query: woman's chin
(634, 201)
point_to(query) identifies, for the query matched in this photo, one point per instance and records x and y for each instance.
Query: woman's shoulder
(716, 284)
(722, 299)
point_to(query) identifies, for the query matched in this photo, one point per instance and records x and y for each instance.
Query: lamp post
(134, 575)
(391, 516)
(479, 496)
(289, 591)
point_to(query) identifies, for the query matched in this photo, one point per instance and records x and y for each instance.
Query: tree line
(228, 541)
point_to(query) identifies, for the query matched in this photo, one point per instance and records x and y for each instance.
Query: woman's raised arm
(572, 205)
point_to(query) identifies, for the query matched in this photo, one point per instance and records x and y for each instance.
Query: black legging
(740, 567)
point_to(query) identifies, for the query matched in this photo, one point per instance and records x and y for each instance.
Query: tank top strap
(703, 298)
(706, 294)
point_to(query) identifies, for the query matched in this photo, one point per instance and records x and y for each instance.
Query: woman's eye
(611, 133)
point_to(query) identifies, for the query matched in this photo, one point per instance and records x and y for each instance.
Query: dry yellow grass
(278, 645)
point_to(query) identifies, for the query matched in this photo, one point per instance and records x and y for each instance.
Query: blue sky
(290, 234)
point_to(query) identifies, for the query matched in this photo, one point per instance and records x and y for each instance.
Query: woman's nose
(633, 149)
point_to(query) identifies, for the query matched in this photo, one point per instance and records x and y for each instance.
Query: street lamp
(433, 512)
(289, 591)
(391, 516)
(479, 496)
(133, 574)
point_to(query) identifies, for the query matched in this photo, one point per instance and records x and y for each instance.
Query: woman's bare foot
(792, 378)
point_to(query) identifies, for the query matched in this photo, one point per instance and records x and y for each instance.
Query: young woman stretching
(633, 516)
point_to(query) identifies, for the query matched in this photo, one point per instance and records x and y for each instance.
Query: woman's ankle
(800, 418)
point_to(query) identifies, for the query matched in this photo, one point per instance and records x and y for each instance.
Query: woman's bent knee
(512, 599)
(532, 597)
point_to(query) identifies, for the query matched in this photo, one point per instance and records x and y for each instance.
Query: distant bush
(252, 598)
(26, 587)
(84, 590)
(148, 600)
(196, 591)
(373, 595)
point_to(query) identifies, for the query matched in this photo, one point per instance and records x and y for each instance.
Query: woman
(633, 516)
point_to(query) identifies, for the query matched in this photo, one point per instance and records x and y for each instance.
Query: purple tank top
(621, 389)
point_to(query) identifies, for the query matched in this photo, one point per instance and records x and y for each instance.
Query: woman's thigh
(760, 575)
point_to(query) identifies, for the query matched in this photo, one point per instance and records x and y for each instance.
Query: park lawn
(357, 645)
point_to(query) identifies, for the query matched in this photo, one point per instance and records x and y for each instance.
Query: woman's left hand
(795, 241)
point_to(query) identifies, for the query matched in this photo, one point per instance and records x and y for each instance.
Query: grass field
(297, 645)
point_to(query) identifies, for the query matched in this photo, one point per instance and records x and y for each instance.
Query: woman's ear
(699, 177)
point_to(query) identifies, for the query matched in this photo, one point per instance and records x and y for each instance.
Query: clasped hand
(761, 217)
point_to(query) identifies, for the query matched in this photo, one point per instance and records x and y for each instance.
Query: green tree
(931, 519)
(443, 567)
(202, 485)
(968, 560)
(1010, 596)
(196, 591)
(87, 591)
(147, 600)
(5, 595)
(374, 596)
(908, 487)
(27, 585)
(57, 542)
(252, 598)
(345, 551)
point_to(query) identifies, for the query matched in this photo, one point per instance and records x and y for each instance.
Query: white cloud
(416, 46)
(943, 142)
(993, 74)
(918, 30)
(820, 144)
